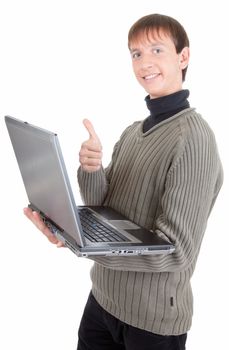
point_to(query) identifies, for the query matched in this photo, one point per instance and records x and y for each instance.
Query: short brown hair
(157, 22)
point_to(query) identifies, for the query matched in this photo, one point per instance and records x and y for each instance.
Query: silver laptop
(86, 230)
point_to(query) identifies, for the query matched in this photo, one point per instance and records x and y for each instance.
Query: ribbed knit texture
(166, 179)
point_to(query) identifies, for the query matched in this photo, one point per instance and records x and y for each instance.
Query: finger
(88, 153)
(92, 134)
(43, 228)
(90, 161)
(30, 215)
(91, 145)
(60, 245)
(39, 223)
(35, 218)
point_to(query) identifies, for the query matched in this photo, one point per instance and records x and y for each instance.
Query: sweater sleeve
(191, 187)
(93, 186)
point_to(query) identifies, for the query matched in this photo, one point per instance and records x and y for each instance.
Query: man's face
(156, 64)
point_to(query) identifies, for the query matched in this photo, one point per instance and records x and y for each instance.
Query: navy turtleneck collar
(164, 107)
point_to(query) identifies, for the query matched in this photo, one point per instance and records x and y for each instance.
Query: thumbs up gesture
(90, 155)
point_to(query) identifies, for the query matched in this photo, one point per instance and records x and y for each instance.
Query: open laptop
(86, 230)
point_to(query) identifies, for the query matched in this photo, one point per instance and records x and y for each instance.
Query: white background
(62, 61)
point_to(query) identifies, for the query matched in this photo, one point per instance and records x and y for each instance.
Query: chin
(155, 94)
(159, 93)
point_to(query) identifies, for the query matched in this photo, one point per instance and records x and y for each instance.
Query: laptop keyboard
(97, 231)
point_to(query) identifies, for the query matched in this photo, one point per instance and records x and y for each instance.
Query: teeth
(151, 76)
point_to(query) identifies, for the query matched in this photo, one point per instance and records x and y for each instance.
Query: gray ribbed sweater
(166, 179)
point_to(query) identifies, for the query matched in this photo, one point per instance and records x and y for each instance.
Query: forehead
(150, 37)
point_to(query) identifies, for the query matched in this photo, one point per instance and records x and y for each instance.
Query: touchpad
(124, 224)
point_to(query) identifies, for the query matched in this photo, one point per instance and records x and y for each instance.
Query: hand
(90, 155)
(38, 222)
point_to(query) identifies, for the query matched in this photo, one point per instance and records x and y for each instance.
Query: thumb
(92, 134)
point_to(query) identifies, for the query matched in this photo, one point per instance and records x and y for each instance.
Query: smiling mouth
(151, 76)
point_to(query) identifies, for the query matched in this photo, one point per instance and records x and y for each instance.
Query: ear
(184, 57)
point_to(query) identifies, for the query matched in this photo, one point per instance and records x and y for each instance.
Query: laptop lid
(52, 194)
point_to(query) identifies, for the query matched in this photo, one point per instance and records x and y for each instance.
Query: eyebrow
(155, 44)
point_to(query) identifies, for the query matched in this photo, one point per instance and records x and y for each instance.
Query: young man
(165, 175)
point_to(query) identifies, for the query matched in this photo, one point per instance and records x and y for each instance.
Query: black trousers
(99, 330)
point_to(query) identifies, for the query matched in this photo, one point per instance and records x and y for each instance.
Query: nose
(147, 62)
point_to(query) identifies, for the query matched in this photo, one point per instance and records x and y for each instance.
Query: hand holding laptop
(90, 155)
(38, 222)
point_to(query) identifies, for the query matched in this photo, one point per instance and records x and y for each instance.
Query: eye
(135, 54)
(157, 50)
